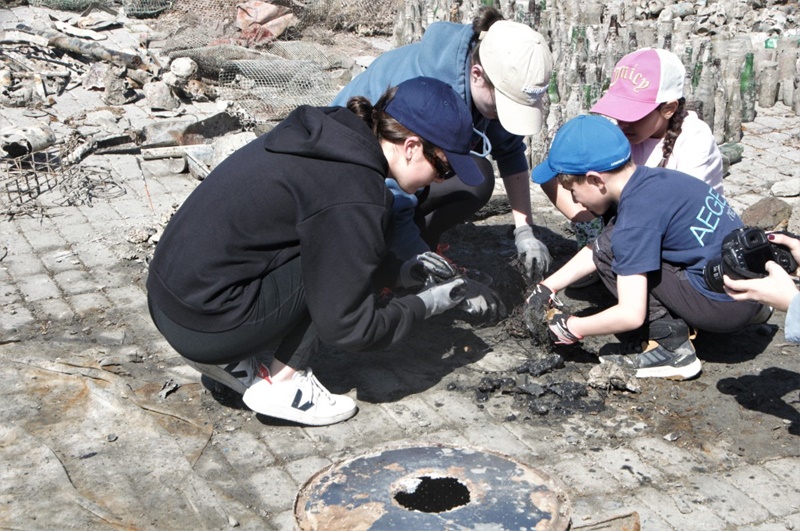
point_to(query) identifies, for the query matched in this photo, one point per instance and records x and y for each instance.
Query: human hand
(481, 299)
(534, 254)
(776, 289)
(426, 268)
(441, 297)
(538, 304)
(559, 330)
(789, 241)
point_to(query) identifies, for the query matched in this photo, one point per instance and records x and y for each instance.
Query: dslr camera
(745, 252)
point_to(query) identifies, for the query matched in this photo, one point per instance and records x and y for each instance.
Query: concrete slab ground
(104, 427)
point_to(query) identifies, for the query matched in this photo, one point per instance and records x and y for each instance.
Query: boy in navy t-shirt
(650, 256)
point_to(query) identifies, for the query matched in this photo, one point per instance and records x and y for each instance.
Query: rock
(789, 188)
(767, 214)
(733, 151)
(159, 96)
(183, 67)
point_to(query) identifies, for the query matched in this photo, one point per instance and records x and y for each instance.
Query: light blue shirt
(792, 324)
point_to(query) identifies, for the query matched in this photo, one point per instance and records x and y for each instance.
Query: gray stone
(160, 97)
(788, 188)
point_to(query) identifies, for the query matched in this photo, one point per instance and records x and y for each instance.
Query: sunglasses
(442, 167)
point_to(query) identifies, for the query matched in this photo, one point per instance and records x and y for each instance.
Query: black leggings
(671, 294)
(279, 320)
(451, 202)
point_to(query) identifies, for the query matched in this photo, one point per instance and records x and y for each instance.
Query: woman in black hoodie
(285, 244)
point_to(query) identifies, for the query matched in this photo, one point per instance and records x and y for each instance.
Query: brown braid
(673, 131)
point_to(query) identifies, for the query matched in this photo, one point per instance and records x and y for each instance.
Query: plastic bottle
(555, 119)
(767, 85)
(720, 105)
(787, 66)
(747, 82)
(633, 44)
(697, 69)
(552, 88)
(573, 106)
(796, 96)
(703, 94)
(733, 124)
(588, 99)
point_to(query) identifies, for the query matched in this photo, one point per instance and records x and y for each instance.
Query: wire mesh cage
(365, 16)
(58, 168)
(301, 51)
(210, 59)
(65, 5)
(268, 90)
(28, 176)
(145, 8)
(198, 21)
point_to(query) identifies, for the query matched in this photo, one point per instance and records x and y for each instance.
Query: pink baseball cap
(641, 81)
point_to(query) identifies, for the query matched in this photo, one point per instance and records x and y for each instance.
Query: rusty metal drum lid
(432, 487)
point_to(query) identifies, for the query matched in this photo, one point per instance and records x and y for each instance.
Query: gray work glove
(442, 297)
(425, 269)
(534, 254)
(481, 300)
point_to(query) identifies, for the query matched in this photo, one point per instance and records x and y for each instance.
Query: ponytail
(384, 126)
(483, 20)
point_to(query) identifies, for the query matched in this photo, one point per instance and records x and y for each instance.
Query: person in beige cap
(501, 69)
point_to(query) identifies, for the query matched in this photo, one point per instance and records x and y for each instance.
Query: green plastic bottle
(552, 88)
(747, 84)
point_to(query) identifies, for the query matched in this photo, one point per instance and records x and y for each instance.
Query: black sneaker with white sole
(658, 362)
(238, 375)
(668, 354)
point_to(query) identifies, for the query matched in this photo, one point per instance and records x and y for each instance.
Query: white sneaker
(238, 375)
(302, 399)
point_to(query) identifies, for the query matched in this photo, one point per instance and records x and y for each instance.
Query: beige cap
(518, 62)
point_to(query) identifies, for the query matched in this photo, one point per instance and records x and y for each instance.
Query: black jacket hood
(344, 138)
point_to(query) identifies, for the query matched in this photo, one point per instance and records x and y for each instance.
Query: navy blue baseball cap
(588, 142)
(431, 109)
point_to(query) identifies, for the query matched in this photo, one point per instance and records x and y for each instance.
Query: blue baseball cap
(431, 109)
(588, 142)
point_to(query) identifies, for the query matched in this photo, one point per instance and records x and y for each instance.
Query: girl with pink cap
(646, 99)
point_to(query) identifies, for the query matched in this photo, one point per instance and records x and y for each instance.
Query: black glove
(540, 301)
(481, 299)
(559, 330)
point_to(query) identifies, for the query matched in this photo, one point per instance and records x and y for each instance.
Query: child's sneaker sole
(659, 362)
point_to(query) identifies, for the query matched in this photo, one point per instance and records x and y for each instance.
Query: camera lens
(712, 274)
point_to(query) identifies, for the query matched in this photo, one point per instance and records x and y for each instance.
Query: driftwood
(196, 157)
(78, 32)
(95, 144)
(88, 49)
(12, 37)
(27, 75)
